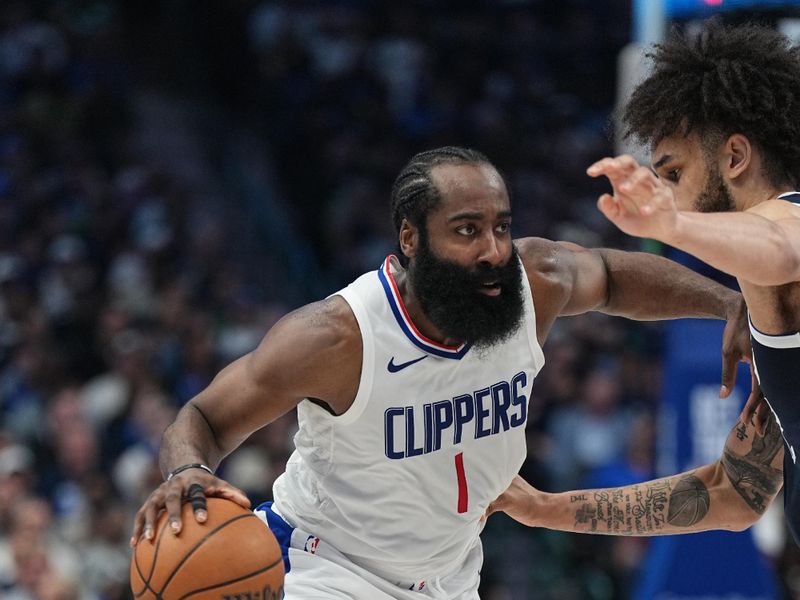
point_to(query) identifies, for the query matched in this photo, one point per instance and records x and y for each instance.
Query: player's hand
(736, 348)
(192, 486)
(518, 502)
(641, 205)
(756, 411)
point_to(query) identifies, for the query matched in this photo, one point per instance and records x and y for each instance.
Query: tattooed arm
(731, 493)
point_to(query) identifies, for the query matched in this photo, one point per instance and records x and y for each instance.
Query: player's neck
(756, 192)
(751, 187)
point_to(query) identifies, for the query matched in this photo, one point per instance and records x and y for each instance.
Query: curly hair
(414, 193)
(724, 80)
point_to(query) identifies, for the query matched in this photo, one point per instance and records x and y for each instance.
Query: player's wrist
(186, 467)
(540, 507)
(674, 229)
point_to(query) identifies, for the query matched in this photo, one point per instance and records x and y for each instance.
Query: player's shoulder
(537, 253)
(315, 351)
(545, 259)
(328, 322)
(776, 210)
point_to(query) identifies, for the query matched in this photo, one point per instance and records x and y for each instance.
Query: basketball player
(721, 113)
(412, 388)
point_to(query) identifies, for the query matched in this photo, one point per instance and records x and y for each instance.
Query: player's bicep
(308, 353)
(589, 279)
(753, 462)
(242, 398)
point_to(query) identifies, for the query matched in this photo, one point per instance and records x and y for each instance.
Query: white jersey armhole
(533, 338)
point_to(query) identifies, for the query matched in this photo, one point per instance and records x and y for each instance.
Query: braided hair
(414, 194)
(725, 80)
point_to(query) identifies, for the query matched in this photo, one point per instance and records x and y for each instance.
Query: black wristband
(183, 468)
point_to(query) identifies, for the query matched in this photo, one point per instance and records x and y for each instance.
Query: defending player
(412, 388)
(721, 113)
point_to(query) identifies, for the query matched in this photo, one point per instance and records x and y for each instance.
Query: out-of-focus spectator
(591, 434)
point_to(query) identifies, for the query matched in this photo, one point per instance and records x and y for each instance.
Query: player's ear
(409, 239)
(737, 154)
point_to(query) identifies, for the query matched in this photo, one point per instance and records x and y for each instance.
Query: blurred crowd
(176, 176)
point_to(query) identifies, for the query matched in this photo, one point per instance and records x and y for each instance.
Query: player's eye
(503, 228)
(673, 175)
(468, 229)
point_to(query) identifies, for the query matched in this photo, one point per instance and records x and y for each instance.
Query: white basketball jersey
(400, 481)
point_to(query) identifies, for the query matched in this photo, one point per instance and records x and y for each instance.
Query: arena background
(175, 176)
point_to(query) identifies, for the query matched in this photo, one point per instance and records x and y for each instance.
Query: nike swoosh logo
(393, 368)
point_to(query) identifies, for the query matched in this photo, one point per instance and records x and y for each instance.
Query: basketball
(232, 555)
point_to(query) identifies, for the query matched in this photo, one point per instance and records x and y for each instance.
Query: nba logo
(311, 544)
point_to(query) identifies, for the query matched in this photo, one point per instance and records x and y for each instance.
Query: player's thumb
(608, 206)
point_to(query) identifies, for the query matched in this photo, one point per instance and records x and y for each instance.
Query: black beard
(449, 295)
(715, 197)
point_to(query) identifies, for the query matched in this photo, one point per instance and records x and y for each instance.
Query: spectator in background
(591, 434)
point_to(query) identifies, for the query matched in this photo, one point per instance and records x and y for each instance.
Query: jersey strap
(786, 340)
(793, 197)
(404, 321)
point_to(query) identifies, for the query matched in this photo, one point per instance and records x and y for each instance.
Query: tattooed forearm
(635, 510)
(644, 509)
(741, 431)
(752, 475)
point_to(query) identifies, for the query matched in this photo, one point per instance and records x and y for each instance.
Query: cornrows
(413, 192)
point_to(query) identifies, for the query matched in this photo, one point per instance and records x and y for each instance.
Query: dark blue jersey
(777, 363)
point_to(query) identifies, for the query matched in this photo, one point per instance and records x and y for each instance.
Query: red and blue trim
(404, 321)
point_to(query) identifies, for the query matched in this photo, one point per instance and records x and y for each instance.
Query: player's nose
(491, 251)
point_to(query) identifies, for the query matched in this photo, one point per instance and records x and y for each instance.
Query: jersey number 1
(463, 497)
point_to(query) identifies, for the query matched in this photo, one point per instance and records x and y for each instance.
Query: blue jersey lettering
(493, 410)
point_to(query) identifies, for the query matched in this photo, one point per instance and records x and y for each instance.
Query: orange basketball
(232, 555)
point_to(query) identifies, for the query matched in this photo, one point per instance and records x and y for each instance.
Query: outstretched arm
(731, 493)
(761, 246)
(747, 245)
(574, 280)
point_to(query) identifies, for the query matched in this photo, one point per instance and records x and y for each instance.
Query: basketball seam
(146, 581)
(230, 581)
(199, 543)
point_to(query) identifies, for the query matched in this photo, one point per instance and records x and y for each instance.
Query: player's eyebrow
(476, 215)
(662, 161)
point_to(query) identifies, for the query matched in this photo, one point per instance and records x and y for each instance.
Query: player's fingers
(600, 167)
(750, 408)
(608, 206)
(762, 416)
(640, 180)
(173, 506)
(627, 163)
(138, 526)
(231, 493)
(613, 168)
(730, 365)
(647, 209)
(197, 497)
(149, 521)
